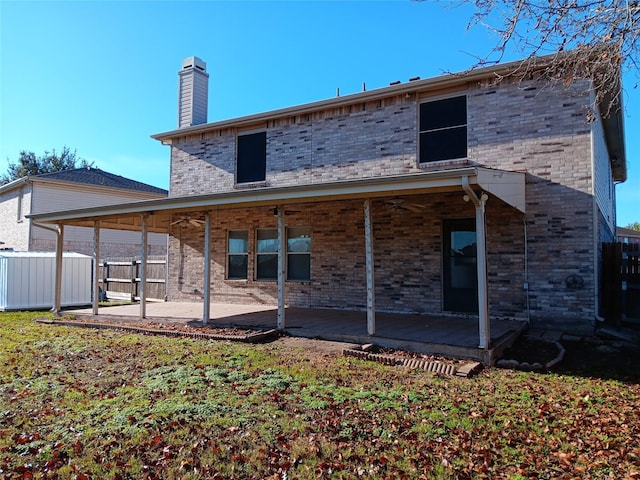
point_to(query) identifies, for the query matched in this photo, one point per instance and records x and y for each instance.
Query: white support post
(96, 266)
(57, 292)
(371, 301)
(206, 289)
(281, 268)
(143, 268)
(481, 259)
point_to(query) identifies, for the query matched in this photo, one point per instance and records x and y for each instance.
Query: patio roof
(508, 186)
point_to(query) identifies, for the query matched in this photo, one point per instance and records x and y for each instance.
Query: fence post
(134, 275)
(105, 276)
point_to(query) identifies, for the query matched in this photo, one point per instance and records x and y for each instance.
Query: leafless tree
(593, 39)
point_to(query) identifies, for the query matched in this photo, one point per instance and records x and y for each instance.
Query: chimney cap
(194, 62)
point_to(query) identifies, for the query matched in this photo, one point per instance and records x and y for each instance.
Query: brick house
(67, 189)
(456, 196)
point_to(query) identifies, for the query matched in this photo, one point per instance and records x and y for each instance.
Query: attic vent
(395, 82)
(413, 79)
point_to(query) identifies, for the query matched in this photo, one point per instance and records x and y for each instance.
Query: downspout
(526, 269)
(481, 258)
(596, 277)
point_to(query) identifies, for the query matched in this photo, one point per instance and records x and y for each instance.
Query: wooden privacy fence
(620, 281)
(121, 279)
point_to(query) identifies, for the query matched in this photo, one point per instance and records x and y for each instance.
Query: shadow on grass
(608, 361)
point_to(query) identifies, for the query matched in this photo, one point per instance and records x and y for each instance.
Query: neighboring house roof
(613, 124)
(95, 176)
(628, 233)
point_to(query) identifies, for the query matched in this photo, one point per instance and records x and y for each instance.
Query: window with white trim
(267, 254)
(299, 253)
(237, 254)
(443, 129)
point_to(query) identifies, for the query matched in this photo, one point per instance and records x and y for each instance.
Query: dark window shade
(448, 112)
(443, 144)
(267, 266)
(237, 267)
(298, 267)
(443, 129)
(251, 162)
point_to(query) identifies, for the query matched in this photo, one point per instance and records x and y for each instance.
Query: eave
(509, 186)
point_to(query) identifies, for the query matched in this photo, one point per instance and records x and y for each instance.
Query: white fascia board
(509, 186)
(380, 186)
(11, 185)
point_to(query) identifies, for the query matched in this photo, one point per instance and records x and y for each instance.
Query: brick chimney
(193, 88)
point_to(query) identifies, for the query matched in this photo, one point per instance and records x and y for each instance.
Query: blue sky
(101, 77)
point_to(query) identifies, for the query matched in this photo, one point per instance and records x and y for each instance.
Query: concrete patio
(454, 337)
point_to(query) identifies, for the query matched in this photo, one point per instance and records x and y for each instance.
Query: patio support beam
(143, 267)
(481, 252)
(57, 292)
(96, 266)
(368, 237)
(206, 289)
(281, 267)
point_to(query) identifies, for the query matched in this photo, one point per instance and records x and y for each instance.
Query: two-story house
(459, 196)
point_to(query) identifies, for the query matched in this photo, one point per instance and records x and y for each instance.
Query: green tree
(29, 163)
(634, 226)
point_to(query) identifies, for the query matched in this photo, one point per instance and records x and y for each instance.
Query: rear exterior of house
(542, 254)
(86, 187)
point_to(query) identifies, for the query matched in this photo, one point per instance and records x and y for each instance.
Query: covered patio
(472, 336)
(454, 337)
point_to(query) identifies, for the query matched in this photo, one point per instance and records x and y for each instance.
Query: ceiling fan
(192, 221)
(401, 204)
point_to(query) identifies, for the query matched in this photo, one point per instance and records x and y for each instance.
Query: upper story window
(443, 129)
(251, 160)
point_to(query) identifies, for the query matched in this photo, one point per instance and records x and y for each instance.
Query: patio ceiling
(508, 186)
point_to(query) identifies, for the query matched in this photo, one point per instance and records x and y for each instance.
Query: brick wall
(518, 127)
(407, 255)
(14, 231)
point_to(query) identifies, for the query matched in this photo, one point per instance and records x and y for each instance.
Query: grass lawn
(95, 404)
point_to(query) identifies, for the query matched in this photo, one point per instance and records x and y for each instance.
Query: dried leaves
(92, 404)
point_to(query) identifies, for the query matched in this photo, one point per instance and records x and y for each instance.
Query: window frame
(257, 254)
(244, 150)
(450, 128)
(237, 254)
(289, 253)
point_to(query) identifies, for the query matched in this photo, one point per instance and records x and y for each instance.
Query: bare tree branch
(581, 39)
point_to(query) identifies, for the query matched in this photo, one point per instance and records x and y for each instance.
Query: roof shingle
(95, 176)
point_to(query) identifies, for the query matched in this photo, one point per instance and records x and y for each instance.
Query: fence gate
(620, 282)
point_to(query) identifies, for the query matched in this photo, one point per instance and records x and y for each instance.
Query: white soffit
(508, 186)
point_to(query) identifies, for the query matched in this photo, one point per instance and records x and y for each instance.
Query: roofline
(441, 81)
(37, 179)
(391, 185)
(613, 125)
(95, 185)
(15, 183)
